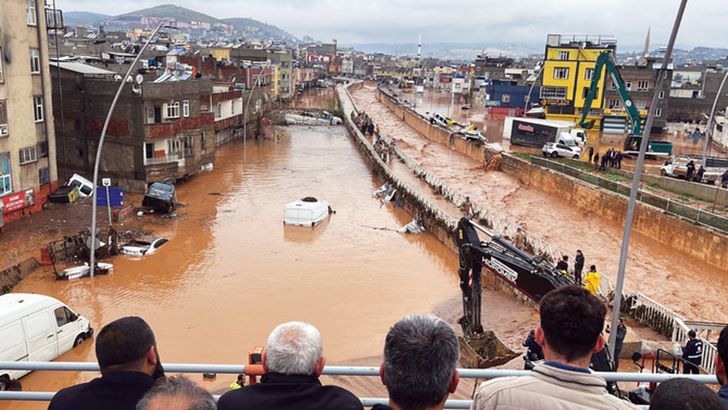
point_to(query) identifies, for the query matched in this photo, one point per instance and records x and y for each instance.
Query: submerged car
(160, 197)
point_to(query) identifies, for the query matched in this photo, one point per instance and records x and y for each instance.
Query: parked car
(36, 328)
(161, 197)
(555, 150)
(677, 168)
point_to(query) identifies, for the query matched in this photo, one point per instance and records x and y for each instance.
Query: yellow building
(275, 81)
(567, 76)
(220, 53)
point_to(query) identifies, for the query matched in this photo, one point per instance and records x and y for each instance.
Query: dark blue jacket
(282, 392)
(112, 391)
(723, 394)
(693, 351)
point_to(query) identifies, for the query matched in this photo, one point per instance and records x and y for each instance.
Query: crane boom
(605, 59)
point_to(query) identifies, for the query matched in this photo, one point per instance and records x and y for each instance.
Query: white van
(36, 328)
(85, 187)
(308, 211)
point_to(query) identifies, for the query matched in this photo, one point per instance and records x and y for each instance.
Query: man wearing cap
(127, 354)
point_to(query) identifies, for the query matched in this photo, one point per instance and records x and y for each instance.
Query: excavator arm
(605, 60)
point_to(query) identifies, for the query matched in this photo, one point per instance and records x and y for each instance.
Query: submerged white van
(36, 328)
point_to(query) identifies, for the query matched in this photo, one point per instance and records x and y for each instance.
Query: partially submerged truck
(534, 132)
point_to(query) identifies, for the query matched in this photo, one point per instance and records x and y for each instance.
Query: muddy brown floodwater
(232, 271)
(684, 283)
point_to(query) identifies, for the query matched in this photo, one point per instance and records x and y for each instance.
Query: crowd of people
(612, 159)
(592, 279)
(418, 370)
(383, 148)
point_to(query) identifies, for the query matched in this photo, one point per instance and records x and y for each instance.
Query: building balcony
(162, 160)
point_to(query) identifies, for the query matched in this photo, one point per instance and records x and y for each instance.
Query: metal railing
(358, 371)
(161, 160)
(669, 206)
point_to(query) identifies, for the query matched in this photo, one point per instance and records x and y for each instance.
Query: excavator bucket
(587, 124)
(484, 350)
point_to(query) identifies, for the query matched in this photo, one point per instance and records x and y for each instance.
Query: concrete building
(283, 60)
(640, 80)
(27, 139)
(159, 130)
(507, 97)
(492, 68)
(693, 94)
(567, 74)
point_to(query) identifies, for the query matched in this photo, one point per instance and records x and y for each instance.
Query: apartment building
(27, 141)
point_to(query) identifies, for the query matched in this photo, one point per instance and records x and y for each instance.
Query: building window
(44, 176)
(658, 112)
(150, 115)
(203, 141)
(28, 155)
(506, 98)
(218, 110)
(563, 55)
(612, 86)
(38, 108)
(30, 15)
(186, 108)
(628, 85)
(661, 95)
(641, 104)
(585, 92)
(553, 93)
(173, 109)
(189, 143)
(42, 149)
(4, 132)
(6, 185)
(643, 85)
(588, 74)
(561, 73)
(173, 147)
(34, 61)
(613, 103)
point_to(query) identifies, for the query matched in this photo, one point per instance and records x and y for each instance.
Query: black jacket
(112, 391)
(579, 262)
(281, 392)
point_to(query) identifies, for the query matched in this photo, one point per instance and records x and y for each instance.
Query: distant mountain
(178, 13)
(254, 29)
(83, 18)
(246, 28)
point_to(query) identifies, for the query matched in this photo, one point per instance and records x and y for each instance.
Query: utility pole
(709, 131)
(616, 306)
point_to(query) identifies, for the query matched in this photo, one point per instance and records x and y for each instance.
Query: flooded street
(232, 271)
(685, 284)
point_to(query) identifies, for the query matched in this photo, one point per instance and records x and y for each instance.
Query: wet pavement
(686, 284)
(232, 271)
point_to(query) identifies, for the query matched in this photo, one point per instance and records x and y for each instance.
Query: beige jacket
(548, 387)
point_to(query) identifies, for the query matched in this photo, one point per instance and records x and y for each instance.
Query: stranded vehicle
(36, 328)
(561, 149)
(161, 197)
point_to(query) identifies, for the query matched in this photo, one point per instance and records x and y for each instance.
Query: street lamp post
(616, 307)
(92, 244)
(709, 131)
(247, 104)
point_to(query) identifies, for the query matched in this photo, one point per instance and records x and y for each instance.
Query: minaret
(646, 51)
(419, 48)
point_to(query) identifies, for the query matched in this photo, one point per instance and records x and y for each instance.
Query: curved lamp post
(709, 131)
(92, 245)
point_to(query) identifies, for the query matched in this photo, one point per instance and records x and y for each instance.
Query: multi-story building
(693, 93)
(640, 80)
(567, 75)
(283, 60)
(27, 139)
(158, 131)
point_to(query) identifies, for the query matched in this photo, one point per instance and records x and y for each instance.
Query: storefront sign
(17, 201)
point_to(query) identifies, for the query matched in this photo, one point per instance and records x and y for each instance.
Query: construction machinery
(634, 138)
(533, 277)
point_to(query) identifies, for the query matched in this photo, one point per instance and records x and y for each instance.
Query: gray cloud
(466, 21)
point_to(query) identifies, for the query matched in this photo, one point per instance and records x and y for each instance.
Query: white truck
(534, 132)
(36, 328)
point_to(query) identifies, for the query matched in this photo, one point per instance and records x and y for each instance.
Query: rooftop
(81, 68)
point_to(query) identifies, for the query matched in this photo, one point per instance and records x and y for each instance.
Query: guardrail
(359, 371)
(671, 207)
(161, 160)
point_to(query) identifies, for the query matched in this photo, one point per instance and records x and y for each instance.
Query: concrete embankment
(683, 236)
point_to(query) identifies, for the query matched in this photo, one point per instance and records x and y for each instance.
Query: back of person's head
(572, 320)
(593, 268)
(691, 334)
(684, 394)
(293, 348)
(420, 358)
(123, 344)
(723, 347)
(178, 393)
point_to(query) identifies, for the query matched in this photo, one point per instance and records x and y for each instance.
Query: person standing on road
(578, 267)
(691, 171)
(621, 334)
(618, 159)
(692, 354)
(596, 161)
(592, 280)
(604, 160)
(724, 180)
(591, 153)
(699, 175)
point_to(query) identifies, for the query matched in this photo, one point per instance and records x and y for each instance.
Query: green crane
(605, 59)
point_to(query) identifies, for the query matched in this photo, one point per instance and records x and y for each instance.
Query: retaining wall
(684, 236)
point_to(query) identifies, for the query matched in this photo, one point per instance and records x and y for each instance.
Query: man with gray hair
(420, 359)
(178, 393)
(293, 362)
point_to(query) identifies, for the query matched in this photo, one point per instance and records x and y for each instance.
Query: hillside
(179, 13)
(254, 29)
(82, 18)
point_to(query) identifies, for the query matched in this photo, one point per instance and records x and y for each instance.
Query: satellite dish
(139, 78)
(117, 78)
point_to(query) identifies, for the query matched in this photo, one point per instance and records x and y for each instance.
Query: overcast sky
(466, 21)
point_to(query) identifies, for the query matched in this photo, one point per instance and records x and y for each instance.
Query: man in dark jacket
(721, 365)
(293, 363)
(690, 171)
(692, 353)
(420, 359)
(578, 267)
(127, 354)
